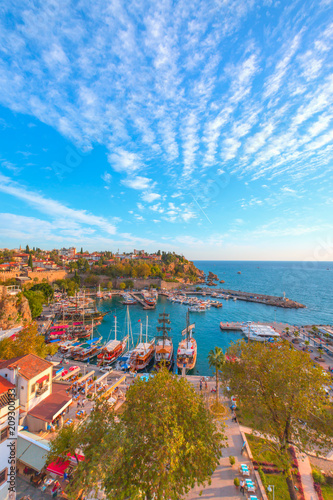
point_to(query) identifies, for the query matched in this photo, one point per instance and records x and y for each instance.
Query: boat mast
(115, 327)
(164, 320)
(146, 328)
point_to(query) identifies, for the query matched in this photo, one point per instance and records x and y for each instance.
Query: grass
(259, 449)
(262, 454)
(281, 491)
(327, 489)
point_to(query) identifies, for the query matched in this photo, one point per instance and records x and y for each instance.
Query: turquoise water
(308, 283)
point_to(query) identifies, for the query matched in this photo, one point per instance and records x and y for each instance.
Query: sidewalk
(305, 471)
(222, 481)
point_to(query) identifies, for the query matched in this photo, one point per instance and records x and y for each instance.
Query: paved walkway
(305, 471)
(222, 481)
(304, 467)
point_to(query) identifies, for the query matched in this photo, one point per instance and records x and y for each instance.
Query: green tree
(45, 288)
(27, 249)
(216, 361)
(280, 388)
(122, 286)
(36, 300)
(27, 341)
(81, 251)
(30, 263)
(164, 442)
(129, 284)
(109, 285)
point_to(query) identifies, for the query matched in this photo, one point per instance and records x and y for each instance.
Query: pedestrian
(242, 487)
(82, 404)
(200, 385)
(206, 385)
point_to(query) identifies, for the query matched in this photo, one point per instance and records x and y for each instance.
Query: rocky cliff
(14, 310)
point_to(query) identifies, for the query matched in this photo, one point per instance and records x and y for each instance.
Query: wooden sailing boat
(163, 345)
(113, 349)
(143, 353)
(187, 348)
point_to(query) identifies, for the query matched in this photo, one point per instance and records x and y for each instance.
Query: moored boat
(187, 348)
(113, 349)
(164, 345)
(143, 354)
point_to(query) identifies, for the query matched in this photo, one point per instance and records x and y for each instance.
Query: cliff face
(14, 310)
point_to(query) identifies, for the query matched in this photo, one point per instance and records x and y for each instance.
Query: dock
(141, 301)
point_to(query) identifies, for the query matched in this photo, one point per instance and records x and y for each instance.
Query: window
(3, 435)
(22, 387)
(3, 476)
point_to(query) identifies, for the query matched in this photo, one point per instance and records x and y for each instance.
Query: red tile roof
(29, 365)
(5, 385)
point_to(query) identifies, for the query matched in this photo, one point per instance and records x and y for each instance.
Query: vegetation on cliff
(14, 310)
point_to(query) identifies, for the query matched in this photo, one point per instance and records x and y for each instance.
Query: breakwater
(270, 300)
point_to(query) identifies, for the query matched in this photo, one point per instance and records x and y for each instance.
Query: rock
(14, 310)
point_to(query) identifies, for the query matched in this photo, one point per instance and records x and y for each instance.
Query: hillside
(14, 310)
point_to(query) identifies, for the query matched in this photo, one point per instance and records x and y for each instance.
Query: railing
(41, 391)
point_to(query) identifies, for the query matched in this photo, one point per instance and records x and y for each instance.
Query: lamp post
(269, 488)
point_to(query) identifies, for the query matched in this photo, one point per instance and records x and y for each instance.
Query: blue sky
(203, 127)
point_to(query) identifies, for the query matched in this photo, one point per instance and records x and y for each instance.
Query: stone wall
(50, 276)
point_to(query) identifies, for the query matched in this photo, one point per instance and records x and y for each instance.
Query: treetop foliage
(163, 443)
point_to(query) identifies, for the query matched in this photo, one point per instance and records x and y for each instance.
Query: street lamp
(269, 488)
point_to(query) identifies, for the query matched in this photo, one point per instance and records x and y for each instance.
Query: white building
(41, 402)
(9, 412)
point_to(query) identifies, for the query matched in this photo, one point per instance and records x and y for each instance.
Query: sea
(310, 283)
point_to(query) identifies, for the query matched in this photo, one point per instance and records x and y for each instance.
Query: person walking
(242, 487)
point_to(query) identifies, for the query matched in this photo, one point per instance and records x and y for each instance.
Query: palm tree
(216, 360)
(296, 334)
(307, 343)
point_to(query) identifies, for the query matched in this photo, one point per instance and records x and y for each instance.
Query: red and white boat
(113, 349)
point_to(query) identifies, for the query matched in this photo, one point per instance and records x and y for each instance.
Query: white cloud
(125, 161)
(137, 182)
(150, 197)
(54, 208)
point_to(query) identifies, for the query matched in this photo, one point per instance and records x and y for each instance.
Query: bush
(317, 487)
(232, 460)
(318, 477)
(262, 477)
(236, 482)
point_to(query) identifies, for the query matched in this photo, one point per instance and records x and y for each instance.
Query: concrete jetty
(270, 300)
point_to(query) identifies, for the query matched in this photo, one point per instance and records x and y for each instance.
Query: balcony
(43, 389)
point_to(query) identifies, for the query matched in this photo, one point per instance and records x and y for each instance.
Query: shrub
(232, 460)
(318, 477)
(317, 487)
(262, 477)
(236, 482)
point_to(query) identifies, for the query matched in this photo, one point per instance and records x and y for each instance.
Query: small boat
(198, 308)
(238, 272)
(187, 348)
(163, 346)
(113, 349)
(128, 300)
(234, 299)
(143, 354)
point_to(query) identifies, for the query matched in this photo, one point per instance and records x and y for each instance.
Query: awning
(58, 467)
(30, 453)
(41, 380)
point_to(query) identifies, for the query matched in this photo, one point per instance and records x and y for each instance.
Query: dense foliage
(282, 391)
(27, 341)
(164, 442)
